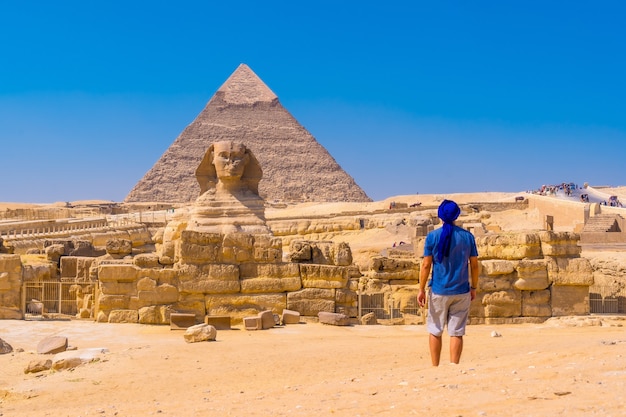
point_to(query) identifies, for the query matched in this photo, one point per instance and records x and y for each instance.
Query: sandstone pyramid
(296, 168)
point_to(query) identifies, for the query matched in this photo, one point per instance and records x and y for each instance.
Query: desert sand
(564, 366)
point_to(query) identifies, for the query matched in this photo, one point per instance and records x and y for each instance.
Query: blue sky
(408, 96)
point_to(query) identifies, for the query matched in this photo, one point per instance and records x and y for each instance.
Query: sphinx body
(229, 200)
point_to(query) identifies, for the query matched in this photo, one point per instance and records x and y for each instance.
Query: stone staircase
(603, 223)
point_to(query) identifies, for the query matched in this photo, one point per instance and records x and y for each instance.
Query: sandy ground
(555, 368)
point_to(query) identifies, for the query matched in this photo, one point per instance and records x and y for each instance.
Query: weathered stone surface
(509, 246)
(200, 333)
(536, 304)
(52, 344)
(117, 273)
(310, 301)
(496, 267)
(569, 300)
(209, 279)
(147, 260)
(238, 306)
(267, 319)
(503, 304)
(109, 302)
(219, 322)
(323, 276)
(533, 275)
(334, 319)
(119, 246)
(155, 314)
(5, 347)
(73, 358)
(39, 365)
(369, 319)
(260, 278)
(570, 271)
(559, 243)
(162, 294)
(252, 323)
(124, 316)
(290, 317)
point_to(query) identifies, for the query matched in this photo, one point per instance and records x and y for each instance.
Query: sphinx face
(230, 160)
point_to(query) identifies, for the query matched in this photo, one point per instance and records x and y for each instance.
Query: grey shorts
(450, 310)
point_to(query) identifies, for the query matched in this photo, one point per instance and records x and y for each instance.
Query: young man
(451, 253)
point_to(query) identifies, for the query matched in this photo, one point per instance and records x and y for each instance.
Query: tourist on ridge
(451, 253)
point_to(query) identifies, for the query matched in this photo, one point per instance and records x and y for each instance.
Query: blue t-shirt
(451, 275)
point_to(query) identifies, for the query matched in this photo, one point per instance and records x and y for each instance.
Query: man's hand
(421, 298)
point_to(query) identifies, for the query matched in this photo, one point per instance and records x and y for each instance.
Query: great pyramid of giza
(296, 168)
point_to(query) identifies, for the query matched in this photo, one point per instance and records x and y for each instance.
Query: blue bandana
(448, 212)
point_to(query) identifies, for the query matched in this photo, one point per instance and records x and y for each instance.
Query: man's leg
(456, 348)
(435, 349)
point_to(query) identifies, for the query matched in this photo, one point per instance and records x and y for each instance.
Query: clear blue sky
(408, 96)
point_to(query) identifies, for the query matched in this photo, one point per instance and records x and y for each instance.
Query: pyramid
(296, 168)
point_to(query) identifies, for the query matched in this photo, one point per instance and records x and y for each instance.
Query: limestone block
(267, 319)
(38, 366)
(102, 317)
(310, 301)
(198, 247)
(55, 252)
(341, 254)
(118, 288)
(209, 279)
(237, 247)
(191, 303)
(494, 283)
(290, 317)
(503, 304)
(139, 236)
(146, 284)
(118, 246)
(509, 246)
(496, 267)
(369, 319)
(334, 319)
(300, 251)
(261, 278)
(219, 322)
(52, 344)
(162, 294)
(10, 312)
(113, 302)
(117, 273)
(568, 300)
(38, 272)
(533, 275)
(147, 260)
(536, 304)
(161, 275)
(99, 240)
(200, 333)
(252, 323)
(67, 266)
(238, 306)
(11, 264)
(124, 316)
(323, 276)
(5, 347)
(346, 297)
(83, 266)
(180, 321)
(570, 271)
(72, 358)
(155, 314)
(267, 248)
(560, 244)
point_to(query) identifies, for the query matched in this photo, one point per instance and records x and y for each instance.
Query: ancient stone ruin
(296, 167)
(218, 257)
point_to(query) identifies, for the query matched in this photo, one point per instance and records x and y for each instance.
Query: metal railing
(607, 300)
(388, 305)
(53, 299)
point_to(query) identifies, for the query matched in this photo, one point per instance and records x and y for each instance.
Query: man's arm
(474, 275)
(427, 264)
